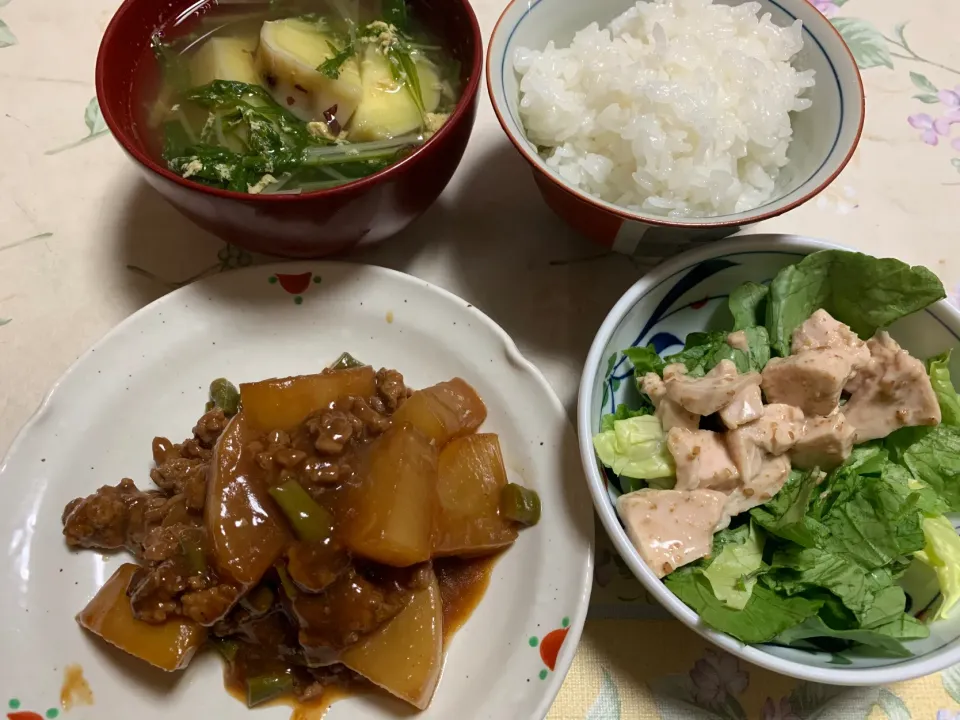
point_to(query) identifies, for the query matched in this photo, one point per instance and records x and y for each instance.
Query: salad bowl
(688, 295)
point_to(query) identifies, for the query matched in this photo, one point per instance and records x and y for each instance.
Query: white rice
(678, 107)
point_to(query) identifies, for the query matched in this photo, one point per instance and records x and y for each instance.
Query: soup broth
(297, 95)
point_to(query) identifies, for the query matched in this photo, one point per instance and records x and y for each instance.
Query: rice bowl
(824, 136)
(679, 108)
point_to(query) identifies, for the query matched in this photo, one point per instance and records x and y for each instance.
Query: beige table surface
(84, 243)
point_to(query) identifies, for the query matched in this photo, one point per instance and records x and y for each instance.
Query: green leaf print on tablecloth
(900, 42)
(867, 44)
(607, 705)
(951, 682)
(710, 690)
(893, 706)
(228, 258)
(93, 119)
(921, 82)
(873, 49)
(7, 38)
(4, 321)
(713, 687)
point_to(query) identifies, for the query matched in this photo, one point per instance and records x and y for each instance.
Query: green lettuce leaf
(867, 459)
(865, 292)
(871, 598)
(939, 369)
(766, 614)
(899, 441)
(704, 350)
(698, 352)
(622, 413)
(874, 460)
(757, 355)
(629, 485)
(785, 515)
(635, 448)
(644, 360)
(928, 500)
(886, 637)
(747, 305)
(871, 521)
(941, 552)
(732, 573)
(934, 459)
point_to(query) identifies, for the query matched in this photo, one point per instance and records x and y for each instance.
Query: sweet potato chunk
(405, 656)
(471, 477)
(444, 411)
(283, 403)
(169, 646)
(393, 501)
(247, 531)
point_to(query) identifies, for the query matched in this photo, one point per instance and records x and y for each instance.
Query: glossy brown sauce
(75, 689)
(463, 583)
(314, 709)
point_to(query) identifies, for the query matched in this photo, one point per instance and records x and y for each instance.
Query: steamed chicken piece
(811, 381)
(287, 59)
(706, 395)
(738, 341)
(759, 451)
(826, 443)
(746, 406)
(702, 460)
(774, 433)
(772, 472)
(821, 331)
(670, 413)
(671, 528)
(225, 58)
(387, 108)
(892, 391)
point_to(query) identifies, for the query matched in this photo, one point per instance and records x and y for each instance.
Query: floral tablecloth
(84, 242)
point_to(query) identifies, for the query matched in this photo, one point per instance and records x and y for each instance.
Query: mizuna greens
(298, 95)
(819, 564)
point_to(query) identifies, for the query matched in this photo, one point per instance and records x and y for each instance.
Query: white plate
(149, 377)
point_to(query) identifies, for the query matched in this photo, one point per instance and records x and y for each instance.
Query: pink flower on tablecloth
(828, 8)
(948, 715)
(954, 296)
(772, 710)
(942, 124)
(925, 123)
(950, 98)
(715, 676)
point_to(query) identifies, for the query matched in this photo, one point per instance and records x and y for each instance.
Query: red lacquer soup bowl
(310, 224)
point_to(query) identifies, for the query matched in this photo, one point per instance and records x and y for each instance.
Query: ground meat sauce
(317, 599)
